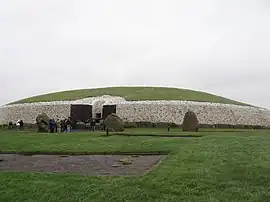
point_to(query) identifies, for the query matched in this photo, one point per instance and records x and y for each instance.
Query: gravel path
(90, 165)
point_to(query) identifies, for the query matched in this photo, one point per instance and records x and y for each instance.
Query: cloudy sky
(219, 46)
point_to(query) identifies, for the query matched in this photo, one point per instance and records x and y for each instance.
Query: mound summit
(133, 94)
(137, 105)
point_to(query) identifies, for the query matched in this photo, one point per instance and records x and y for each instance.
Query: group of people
(64, 125)
(92, 123)
(60, 125)
(19, 124)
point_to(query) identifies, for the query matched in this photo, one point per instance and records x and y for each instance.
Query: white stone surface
(143, 111)
(207, 113)
(28, 112)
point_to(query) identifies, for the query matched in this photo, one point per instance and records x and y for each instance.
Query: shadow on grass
(232, 130)
(75, 153)
(155, 135)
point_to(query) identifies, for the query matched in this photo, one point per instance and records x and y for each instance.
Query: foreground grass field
(220, 166)
(133, 93)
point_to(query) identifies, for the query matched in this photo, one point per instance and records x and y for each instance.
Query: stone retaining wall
(207, 113)
(143, 111)
(29, 112)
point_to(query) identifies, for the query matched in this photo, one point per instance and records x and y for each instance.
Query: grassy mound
(133, 93)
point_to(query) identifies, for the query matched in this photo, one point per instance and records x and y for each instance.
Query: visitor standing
(93, 125)
(21, 124)
(57, 126)
(62, 125)
(51, 125)
(18, 124)
(10, 125)
(68, 124)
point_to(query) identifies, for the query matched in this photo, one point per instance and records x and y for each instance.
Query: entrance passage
(81, 112)
(107, 110)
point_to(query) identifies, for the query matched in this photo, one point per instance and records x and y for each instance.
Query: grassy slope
(217, 167)
(133, 93)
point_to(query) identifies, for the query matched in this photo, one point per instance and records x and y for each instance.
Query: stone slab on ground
(89, 165)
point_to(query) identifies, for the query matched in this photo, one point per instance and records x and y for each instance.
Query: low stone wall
(144, 111)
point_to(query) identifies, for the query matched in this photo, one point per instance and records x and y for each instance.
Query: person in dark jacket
(62, 125)
(21, 124)
(56, 123)
(68, 123)
(10, 125)
(93, 125)
(51, 125)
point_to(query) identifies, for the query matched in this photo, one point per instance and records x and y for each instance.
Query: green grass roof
(132, 94)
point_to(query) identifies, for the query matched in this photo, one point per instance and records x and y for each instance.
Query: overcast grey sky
(219, 46)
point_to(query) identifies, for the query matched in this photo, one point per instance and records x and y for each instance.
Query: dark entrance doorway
(107, 110)
(81, 113)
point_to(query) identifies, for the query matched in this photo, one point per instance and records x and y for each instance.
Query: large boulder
(43, 123)
(190, 122)
(114, 123)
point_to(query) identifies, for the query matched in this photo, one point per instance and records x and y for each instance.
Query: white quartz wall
(249, 116)
(143, 111)
(265, 116)
(147, 112)
(212, 113)
(97, 107)
(207, 113)
(174, 112)
(29, 112)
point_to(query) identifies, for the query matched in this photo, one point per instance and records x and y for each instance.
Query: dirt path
(90, 165)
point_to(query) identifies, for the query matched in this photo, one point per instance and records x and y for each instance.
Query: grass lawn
(220, 166)
(133, 93)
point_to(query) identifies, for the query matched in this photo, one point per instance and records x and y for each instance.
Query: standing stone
(43, 123)
(114, 123)
(190, 122)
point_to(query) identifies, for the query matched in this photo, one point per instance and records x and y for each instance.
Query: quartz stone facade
(143, 111)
